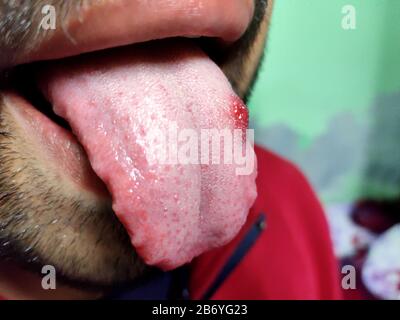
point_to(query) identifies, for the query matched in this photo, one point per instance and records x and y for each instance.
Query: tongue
(135, 112)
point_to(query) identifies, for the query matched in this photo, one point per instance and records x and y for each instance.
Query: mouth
(94, 106)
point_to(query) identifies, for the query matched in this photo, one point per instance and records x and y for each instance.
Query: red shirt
(292, 258)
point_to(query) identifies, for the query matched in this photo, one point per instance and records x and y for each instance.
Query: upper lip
(108, 24)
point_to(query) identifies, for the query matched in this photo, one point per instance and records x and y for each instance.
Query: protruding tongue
(140, 113)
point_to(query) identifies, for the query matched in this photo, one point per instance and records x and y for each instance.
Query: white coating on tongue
(116, 105)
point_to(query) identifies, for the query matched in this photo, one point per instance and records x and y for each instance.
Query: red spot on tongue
(121, 106)
(240, 113)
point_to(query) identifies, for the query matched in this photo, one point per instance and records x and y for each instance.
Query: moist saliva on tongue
(124, 106)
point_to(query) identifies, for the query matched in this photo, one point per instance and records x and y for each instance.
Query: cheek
(242, 64)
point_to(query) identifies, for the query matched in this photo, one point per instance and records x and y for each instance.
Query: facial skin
(46, 219)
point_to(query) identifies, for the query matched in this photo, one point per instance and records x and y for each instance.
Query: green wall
(329, 98)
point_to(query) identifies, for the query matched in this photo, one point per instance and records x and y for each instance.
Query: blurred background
(328, 98)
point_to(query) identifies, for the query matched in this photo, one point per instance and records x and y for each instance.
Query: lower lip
(55, 145)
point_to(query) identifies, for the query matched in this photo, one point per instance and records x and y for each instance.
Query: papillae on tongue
(123, 107)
